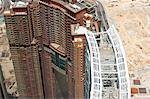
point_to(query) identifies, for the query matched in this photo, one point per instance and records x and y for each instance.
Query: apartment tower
(24, 52)
(44, 52)
(79, 65)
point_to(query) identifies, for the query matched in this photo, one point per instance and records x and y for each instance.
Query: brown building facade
(24, 52)
(79, 63)
(43, 49)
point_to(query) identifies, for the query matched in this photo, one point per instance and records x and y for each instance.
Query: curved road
(4, 5)
(101, 15)
(119, 54)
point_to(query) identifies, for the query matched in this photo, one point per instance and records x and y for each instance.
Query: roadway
(5, 4)
(101, 15)
(110, 42)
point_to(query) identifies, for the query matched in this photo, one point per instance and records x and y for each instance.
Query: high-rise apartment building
(40, 39)
(79, 63)
(25, 51)
(56, 52)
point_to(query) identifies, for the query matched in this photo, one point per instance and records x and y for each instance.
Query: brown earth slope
(132, 19)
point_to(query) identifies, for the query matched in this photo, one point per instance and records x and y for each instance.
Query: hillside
(132, 20)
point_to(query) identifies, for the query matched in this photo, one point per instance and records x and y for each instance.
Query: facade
(79, 65)
(24, 52)
(56, 51)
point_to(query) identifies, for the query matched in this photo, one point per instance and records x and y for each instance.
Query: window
(136, 82)
(134, 90)
(142, 90)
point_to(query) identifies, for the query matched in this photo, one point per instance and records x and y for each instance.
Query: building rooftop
(58, 48)
(78, 40)
(80, 30)
(19, 4)
(80, 5)
(72, 7)
(87, 4)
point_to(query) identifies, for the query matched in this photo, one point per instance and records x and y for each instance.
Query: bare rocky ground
(6, 62)
(132, 20)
